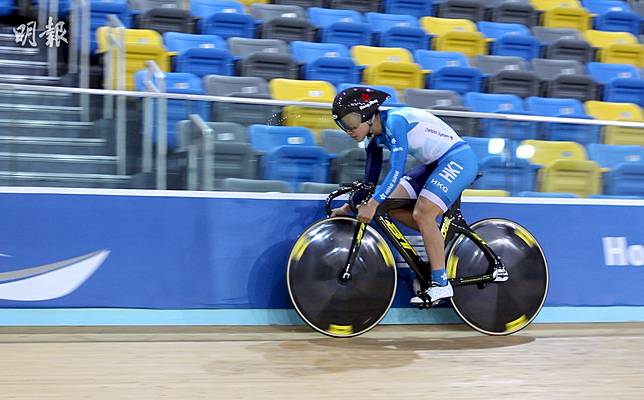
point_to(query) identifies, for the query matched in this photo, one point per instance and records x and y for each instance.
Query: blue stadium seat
(290, 154)
(503, 104)
(341, 26)
(177, 110)
(449, 71)
(510, 39)
(224, 18)
(501, 171)
(199, 54)
(398, 31)
(565, 108)
(100, 9)
(621, 82)
(613, 15)
(391, 102)
(547, 194)
(415, 8)
(326, 62)
(6, 7)
(624, 168)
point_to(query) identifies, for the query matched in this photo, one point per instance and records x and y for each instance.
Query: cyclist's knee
(425, 210)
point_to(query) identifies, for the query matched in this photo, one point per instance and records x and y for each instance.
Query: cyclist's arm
(372, 168)
(398, 127)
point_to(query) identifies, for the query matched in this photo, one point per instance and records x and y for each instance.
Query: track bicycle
(342, 277)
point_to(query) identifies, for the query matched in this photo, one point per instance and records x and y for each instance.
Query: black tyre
(499, 308)
(317, 260)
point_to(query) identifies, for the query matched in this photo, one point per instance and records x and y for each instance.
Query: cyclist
(448, 166)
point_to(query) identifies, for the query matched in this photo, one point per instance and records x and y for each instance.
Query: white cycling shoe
(435, 294)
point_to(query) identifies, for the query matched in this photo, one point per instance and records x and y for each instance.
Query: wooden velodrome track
(582, 361)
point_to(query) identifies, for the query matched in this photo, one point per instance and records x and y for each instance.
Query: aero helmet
(363, 101)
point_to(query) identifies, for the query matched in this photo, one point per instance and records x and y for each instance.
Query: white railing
(155, 83)
(200, 142)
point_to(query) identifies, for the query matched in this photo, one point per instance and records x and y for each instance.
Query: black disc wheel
(499, 308)
(323, 300)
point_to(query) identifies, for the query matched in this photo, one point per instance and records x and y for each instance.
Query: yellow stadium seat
(389, 66)
(141, 45)
(301, 90)
(546, 151)
(616, 47)
(485, 193)
(453, 34)
(563, 14)
(613, 111)
(618, 112)
(582, 178)
(313, 118)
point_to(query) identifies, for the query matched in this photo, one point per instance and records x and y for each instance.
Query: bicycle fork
(353, 252)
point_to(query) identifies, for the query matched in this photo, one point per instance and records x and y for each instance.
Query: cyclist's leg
(410, 185)
(453, 174)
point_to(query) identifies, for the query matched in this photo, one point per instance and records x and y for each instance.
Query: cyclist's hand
(367, 211)
(341, 211)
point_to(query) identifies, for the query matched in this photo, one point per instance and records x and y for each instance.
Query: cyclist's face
(352, 124)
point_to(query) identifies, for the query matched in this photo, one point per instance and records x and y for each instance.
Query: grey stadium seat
(564, 44)
(232, 158)
(565, 79)
(508, 75)
(285, 22)
(165, 20)
(241, 86)
(362, 6)
(466, 9)
(255, 185)
(316, 187)
(511, 11)
(302, 3)
(264, 58)
(149, 4)
(336, 141)
(464, 126)
(429, 98)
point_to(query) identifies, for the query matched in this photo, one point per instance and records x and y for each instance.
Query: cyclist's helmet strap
(359, 99)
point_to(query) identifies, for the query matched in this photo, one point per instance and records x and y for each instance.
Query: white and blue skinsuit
(449, 165)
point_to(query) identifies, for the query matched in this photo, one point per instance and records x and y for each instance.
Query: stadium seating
(449, 71)
(503, 104)
(398, 31)
(284, 22)
(199, 54)
(616, 47)
(617, 112)
(232, 154)
(141, 45)
(165, 20)
(264, 58)
(565, 167)
(177, 110)
(329, 62)
(245, 87)
(508, 75)
(459, 35)
(621, 82)
(256, 185)
(512, 12)
(563, 14)
(224, 18)
(341, 26)
(312, 118)
(389, 66)
(563, 44)
(100, 9)
(510, 39)
(461, 9)
(415, 8)
(613, 15)
(566, 108)
(289, 154)
(565, 79)
(623, 166)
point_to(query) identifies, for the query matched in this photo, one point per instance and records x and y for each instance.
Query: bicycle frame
(452, 224)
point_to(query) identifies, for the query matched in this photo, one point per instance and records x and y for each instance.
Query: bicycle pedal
(500, 275)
